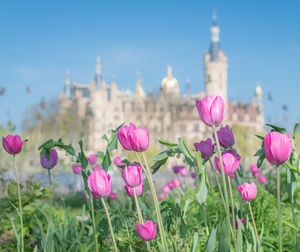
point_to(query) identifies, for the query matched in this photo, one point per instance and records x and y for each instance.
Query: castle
(167, 116)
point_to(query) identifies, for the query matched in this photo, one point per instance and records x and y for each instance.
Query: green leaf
(202, 192)
(290, 225)
(187, 154)
(239, 240)
(186, 205)
(260, 160)
(291, 183)
(83, 160)
(224, 239)
(295, 130)
(171, 146)
(260, 137)
(155, 167)
(196, 237)
(211, 242)
(289, 166)
(19, 245)
(260, 152)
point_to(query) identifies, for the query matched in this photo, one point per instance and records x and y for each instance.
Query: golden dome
(169, 81)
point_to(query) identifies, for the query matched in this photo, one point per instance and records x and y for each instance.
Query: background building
(167, 115)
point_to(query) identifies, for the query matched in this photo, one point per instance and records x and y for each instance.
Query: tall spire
(67, 85)
(98, 72)
(169, 71)
(139, 86)
(215, 31)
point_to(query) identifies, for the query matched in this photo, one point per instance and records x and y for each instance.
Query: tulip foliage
(209, 202)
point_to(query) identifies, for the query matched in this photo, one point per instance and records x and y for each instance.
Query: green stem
(20, 204)
(205, 220)
(218, 183)
(51, 202)
(294, 221)
(130, 248)
(140, 216)
(94, 223)
(223, 177)
(257, 238)
(232, 208)
(155, 201)
(278, 208)
(109, 223)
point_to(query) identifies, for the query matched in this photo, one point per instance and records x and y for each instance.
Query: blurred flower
(278, 148)
(232, 176)
(193, 175)
(112, 195)
(176, 183)
(76, 168)
(225, 137)
(138, 138)
(92, 159)
(138, 190)
(166, 189)
(132, 175)
(231, 162)
(97, 168)
(13, 144)
(205, 147)
(52, 161)
(146, 232)
(247, 191)
(99, 183)
(123, 137)
(262, 179)
(118, 161)
(87, 196)
(177, 168)
(242, 220)
(211, 110)
(184, 172)
(161, 196)
(254, 170)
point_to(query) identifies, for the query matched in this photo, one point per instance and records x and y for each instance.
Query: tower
(139, 87)
(169, 89)
(215, 65)
(98, 73)
(68, 85)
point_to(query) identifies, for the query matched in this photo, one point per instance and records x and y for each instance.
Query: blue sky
(41, 39)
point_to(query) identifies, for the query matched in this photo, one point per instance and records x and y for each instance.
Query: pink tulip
(161, 196)
(51, 162)
(193, 175)
(97, 168)
(184, 172)
(118, 161)
(138, 190)
(177, 168)
(247, 191)
(123, 137)
(176, 183)
(170, 184)
(231, 162)
(92, 159)
(146, 232)
(242, 220)
(206, 148)
(138, 138)
(132, 175)
(278, 148)
(211, 110)
(262, 179)
(225, 137)
(76, 168)
(112, 195)
(99, 183)
(232, 176)
(254, 170)
(13, 144)
(166, 189)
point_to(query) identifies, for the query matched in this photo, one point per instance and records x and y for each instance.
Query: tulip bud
(247, 191)
(112, 195)
(177, 168)
(92, 159)
(132, 175)
(99, 183)
(231, 162)
(262, 179)
(242, 220)
(211, 110)
(138, 190)
(254, 170)
(184, 172)
(97, 168)
(147, 231)
(13, 144)
(118, 161)
(76, 168)
(161, 196)
(123, 137)
(138, 138)
(278, 148)
(193, 175)
(206, 148)
(51, 162)
(225, 137)
(232, 176)
(166, 189)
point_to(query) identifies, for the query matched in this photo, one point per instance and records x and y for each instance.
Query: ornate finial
(258, 90)
(98, 66)
(67, 77)
(169, 71)
(214, 17)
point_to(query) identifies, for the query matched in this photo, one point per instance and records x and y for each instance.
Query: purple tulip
(242, 220)
(177, 168)
(92, 159)
(99, 183)
(51, 162)
(225, 137)
(147, 231)
(13, 144)
(193, 175)
(76, 168)
(247, 191)
(211, 110)
(206, 148)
